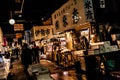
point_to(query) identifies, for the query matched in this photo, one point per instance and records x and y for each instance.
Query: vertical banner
(102, 3)
(4, 41)
(89, 10)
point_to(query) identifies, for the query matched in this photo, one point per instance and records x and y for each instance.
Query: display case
(49, 50)
(82, 40)
(49, 47)
(63, 43)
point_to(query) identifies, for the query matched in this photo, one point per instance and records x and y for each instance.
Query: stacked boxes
(107, 47)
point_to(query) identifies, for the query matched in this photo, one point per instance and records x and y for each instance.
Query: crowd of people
(30, 56)
(27, 54)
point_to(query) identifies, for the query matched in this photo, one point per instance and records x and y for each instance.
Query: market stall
(4, 67)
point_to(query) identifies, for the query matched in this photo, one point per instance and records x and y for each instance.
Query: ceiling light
(12, 21)
(20, 15)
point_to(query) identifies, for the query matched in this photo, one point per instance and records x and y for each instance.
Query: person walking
(36, 53)
(26, 58)
(16, 51)
(42, 50)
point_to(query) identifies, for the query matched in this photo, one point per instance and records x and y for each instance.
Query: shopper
(26, 58)
(42, 50)
(36, 53)
(16, 51)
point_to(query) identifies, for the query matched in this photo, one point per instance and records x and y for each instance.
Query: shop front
(41, 36)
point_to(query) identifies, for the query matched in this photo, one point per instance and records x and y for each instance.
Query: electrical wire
(22, 6)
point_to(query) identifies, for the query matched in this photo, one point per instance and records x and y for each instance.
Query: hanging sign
(102, 3)
(18, 27)
(89, 10)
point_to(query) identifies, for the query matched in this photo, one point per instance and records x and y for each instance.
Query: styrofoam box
(114, 48)
(107, 48)
(107, 43)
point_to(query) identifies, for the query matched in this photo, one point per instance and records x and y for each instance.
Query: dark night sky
(33, 11)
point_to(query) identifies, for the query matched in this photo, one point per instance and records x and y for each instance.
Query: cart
(39, 72)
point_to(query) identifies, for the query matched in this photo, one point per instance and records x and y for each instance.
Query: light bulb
(12, 21)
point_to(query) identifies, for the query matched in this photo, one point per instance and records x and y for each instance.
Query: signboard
(102, 3)
(89, 10)
(18, 27)
(18, 35)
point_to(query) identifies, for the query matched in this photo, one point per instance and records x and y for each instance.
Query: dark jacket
(27, 56)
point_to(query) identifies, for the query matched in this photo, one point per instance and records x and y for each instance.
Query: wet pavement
(16, 72)
(56, 72)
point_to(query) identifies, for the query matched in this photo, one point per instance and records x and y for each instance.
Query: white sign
(102, 3)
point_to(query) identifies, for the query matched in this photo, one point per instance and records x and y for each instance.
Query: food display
(4, 67)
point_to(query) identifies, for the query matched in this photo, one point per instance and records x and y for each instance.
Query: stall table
(94, 61)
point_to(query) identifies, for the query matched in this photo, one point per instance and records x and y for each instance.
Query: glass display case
(63, 43)
(49, 47)
(82, 40)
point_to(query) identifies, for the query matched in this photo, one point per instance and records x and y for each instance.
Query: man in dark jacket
(26, 57)
(36, 53)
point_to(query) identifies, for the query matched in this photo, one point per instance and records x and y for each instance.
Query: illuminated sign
(18, 27)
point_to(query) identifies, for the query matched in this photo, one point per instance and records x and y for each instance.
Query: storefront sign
(42, 32)
(18, 27)
(102, 3)
(89, 10)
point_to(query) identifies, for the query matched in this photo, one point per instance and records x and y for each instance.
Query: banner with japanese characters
(89, 10)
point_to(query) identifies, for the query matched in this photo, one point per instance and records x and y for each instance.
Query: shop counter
(102, 61)
(66, 59)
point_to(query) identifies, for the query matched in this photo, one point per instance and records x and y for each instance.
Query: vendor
(95, 38)
(84, 42)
